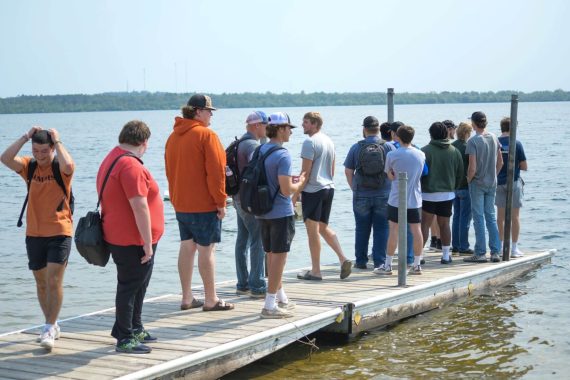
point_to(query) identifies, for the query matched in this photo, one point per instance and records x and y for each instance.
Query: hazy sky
(215, 46)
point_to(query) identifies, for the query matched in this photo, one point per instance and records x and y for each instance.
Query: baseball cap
(395, 125)
(201, 101)
(370, 122)
(449, 124)
(478, 117)
(280, 118)
(256, 117)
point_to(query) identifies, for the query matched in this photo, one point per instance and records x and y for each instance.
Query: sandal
(345, 269)
(193, 305)
(307, 275)
(221, 305)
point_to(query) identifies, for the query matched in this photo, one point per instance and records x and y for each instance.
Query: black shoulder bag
(89, 239)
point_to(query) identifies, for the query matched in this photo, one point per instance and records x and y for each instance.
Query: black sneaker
(444, 261)
(360, 266)
(467, 252)
(145, 337)
(454, 250)
(433, 243)
(438, 245)
(422, 261)
(132, 346)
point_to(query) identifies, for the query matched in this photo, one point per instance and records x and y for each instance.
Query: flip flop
(308, 276)
(221, 305)
(345, 269)
(193, 305)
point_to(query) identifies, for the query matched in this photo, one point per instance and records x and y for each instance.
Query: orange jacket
(195, 167)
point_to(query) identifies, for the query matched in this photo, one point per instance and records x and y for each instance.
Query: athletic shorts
(442, 208)
(203, 227)
(277, 234)
(501, 196)
(317, 206)
(414, 214)
(43, 250)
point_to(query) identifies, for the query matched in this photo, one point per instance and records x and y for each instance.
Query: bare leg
(515, 224)
(314, 246)
(185, 269)
(41, 289)
(276, 265)
(54, 299)
(444, 230)
(501, 222)
(418, 238)
(332, 240)
(206, 266)
(427, 223)
(434, 230)
(392, 239)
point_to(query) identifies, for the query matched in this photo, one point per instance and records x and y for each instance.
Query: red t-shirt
(128, 179)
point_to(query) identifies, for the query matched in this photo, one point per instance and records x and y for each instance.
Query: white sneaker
(48, 339)
(276, 313)
(290, 305)
(415, 270)
(44, 332)
(383, 270)
(516, 253)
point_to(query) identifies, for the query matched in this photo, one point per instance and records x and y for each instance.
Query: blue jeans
(461, 220)
(483, 210)
(370, 213)
(249, 236)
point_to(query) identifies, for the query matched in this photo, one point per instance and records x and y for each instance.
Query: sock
(270, 301)
(514, 246)
(417, 260)
(47, 326)
(445, 250)
(388, 261)
(281, 296)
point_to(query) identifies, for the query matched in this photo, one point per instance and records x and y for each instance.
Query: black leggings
(132, 280)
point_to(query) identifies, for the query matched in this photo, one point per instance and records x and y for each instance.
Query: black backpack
(254, 197)
(57, 176)
(370, 165)
(233, 177)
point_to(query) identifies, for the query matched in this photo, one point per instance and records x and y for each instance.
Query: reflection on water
(470, 339)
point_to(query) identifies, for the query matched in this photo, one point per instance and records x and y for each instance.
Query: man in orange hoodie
(195, 168)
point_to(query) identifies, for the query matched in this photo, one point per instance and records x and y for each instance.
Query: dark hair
(271, 130)
(385, 131)
(134, 133)
(405, 134)
(438, 131)
(189, 112)
(506, 124)
(42, 137)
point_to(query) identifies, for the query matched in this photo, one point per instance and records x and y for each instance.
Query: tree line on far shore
(136, 101)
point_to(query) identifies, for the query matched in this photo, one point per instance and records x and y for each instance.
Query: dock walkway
(194, 344)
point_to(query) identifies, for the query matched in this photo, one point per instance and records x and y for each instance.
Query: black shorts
(414, 214)
(317, 206)
(277, 234)
(43, 250)
(442, 208)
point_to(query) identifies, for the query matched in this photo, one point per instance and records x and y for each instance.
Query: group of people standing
(443, 174)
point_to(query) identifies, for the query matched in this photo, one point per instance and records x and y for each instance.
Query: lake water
(519, 331)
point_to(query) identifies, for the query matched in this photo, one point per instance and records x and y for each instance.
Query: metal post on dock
(510, 177)
(402, 227)
(390, 103)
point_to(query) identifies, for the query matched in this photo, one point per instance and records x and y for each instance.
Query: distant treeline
(132, 101)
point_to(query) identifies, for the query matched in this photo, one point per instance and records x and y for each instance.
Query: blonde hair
(464, 130)
(314, 118)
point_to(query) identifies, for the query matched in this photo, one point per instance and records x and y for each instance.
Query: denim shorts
(43, 250)
(203, 227)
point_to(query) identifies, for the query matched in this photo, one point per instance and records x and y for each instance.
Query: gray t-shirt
(411, 161)
(485, 147)
(319, 148)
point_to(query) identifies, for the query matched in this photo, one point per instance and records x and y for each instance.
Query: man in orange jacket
(195, 168)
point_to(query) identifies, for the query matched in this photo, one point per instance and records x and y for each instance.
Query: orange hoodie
(195, 167)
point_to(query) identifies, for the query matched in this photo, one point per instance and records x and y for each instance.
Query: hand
(54, 135)
(221, 213)
(148, 252)
(295, 198)
(301, 178)
(32, 131)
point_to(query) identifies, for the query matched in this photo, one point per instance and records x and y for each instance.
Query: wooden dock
(194, 344)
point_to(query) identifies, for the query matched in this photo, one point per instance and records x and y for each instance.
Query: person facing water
(49, 223)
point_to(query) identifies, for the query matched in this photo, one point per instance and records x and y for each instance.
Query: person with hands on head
(48, 219)
(133, 222)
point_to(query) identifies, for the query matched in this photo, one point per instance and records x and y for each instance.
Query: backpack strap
(263, 158)
(31, 169)
(109, 173)
(59, 180)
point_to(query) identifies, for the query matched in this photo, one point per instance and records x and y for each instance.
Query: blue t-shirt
(278, 163)
(411, 161)
(351, 162)
(519, 157)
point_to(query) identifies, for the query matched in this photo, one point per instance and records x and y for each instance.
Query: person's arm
(306, 167)
(472, 168)
(499, 160)
(139, 205)
(63, 156)
(286, 185)
(9, 156)
(215, 160)
(523, 165)
(349, 173)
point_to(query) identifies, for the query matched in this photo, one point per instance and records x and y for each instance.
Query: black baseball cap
(201, 101)
(478, 117)
(370, 122)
